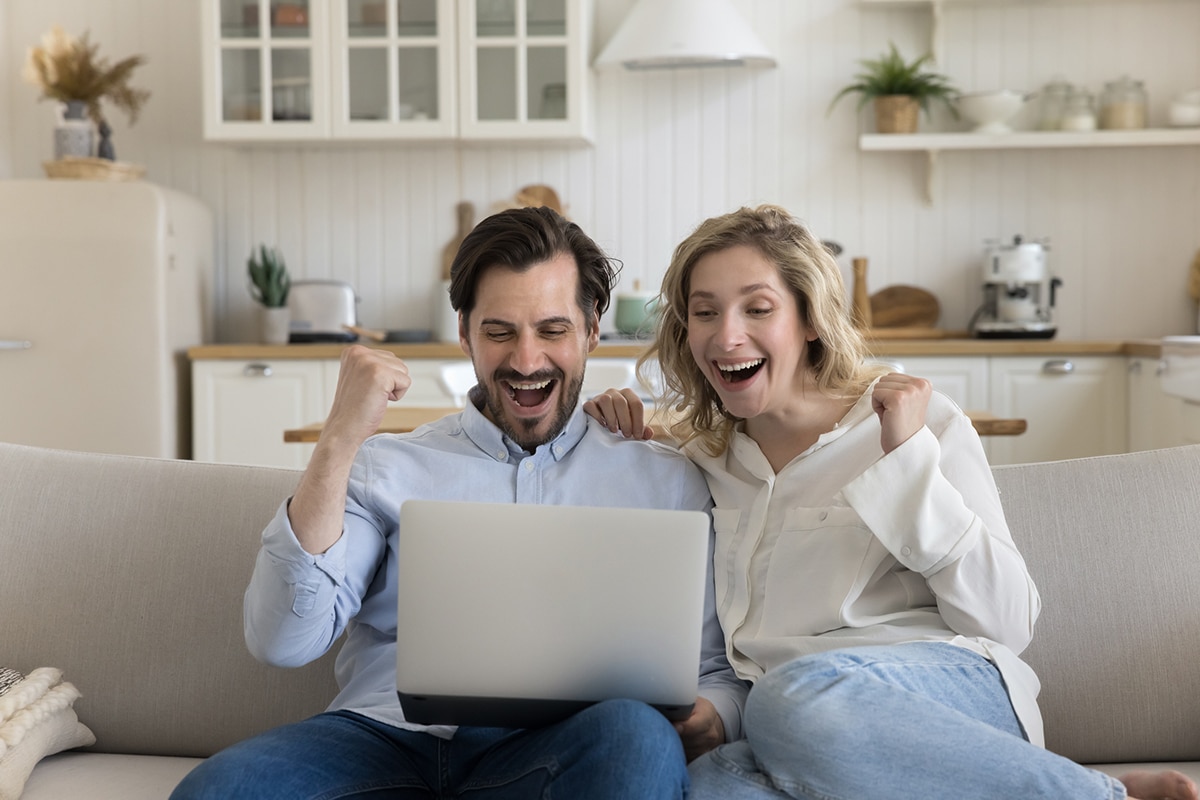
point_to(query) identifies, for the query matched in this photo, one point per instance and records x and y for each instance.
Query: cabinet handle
(1058, 367)
(257, 371)
(1161, 368)
(15, 344)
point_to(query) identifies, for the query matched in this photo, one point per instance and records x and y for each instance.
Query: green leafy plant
(892, 75)
(269, 279)
(67, 68)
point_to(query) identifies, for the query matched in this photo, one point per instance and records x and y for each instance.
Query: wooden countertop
(401, 419)
(945, 346)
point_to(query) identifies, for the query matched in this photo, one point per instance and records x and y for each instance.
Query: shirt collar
(490, 439)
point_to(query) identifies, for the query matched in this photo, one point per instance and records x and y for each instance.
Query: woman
(866, 579)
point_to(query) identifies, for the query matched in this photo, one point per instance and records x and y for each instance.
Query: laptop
(518, 616)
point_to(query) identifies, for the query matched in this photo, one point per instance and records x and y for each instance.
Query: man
(530, 288)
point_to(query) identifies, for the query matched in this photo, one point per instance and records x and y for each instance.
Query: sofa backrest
(1113, 544)
(127, 573)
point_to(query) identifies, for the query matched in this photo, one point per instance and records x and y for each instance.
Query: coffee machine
(1018, 292)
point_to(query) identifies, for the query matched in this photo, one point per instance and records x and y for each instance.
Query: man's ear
(594, 333)
(463, 340)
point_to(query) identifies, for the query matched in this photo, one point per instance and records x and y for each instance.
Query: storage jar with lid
(1123, 105)
(1053, 103)
(1079, 113)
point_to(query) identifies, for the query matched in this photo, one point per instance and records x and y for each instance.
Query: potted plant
(70, 70)
(269, 285)
(899, 89)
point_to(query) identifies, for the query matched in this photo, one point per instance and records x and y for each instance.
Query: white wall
(673, 148)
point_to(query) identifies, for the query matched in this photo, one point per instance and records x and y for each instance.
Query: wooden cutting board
(465, 212)
(904, 307)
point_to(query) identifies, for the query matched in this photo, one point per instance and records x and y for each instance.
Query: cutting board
(904, 307)
(466, 219)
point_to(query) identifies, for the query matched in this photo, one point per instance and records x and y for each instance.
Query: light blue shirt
(298, 604)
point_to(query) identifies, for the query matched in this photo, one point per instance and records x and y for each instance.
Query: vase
(73, 133)
(273, 325)
(896, 113)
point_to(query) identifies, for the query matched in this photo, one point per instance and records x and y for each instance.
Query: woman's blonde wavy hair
(836, 357)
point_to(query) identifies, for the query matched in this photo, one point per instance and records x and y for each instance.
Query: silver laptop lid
(519, 615)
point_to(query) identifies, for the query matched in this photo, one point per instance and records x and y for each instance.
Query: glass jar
(1053, 103)
(1123, 105)
(1079, 112)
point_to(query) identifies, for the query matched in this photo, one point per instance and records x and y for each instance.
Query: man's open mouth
(735, 373)
(529, 394)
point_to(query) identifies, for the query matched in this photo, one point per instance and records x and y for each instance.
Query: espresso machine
(1018, 292)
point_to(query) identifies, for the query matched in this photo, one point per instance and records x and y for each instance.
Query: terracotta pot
(896, 113)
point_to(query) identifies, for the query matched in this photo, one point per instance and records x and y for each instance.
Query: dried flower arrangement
(68, 68)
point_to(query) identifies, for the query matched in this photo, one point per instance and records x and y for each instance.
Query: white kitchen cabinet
(524, 69)
(964, 379)
(240, 409)
(396, 69)
(1075, 406)
(1154, 415)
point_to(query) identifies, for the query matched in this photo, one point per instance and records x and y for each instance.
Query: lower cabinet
(1075, 406)
(240, 410)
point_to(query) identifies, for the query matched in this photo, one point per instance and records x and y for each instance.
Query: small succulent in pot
(891, 81)
(269, 279)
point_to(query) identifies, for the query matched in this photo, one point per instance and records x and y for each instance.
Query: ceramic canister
(635, 314)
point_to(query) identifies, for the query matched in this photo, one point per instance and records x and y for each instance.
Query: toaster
(318, 310)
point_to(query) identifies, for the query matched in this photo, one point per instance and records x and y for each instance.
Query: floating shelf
(933, 143)
(1028, 140)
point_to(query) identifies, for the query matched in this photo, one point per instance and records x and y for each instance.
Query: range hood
(668, 34)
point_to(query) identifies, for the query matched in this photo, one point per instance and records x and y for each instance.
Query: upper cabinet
(396, 69)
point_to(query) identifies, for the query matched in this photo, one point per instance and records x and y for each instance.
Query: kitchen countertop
(947, 346)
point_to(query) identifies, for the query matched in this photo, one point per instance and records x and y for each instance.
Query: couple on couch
(865, 581)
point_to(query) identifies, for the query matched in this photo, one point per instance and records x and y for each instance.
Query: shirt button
(501, 455)
(906, 551)
(529, 466)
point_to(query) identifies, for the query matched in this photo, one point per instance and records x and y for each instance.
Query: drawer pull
(1058, 367)
(257, 371)
(15, 344)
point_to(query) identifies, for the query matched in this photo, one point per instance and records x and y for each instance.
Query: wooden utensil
(861, 310)
(904, 306)
(466, 220)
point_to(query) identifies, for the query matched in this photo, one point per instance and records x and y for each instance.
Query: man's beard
(524, 433)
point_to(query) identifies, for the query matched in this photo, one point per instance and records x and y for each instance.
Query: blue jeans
(614, 749)
(919, 720)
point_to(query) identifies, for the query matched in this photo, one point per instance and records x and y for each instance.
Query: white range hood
(670, 34)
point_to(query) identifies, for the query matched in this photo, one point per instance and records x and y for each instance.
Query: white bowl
(991, 111)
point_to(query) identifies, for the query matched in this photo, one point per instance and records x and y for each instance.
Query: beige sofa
(127, 574)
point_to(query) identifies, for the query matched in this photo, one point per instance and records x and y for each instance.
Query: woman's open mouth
(741, 371)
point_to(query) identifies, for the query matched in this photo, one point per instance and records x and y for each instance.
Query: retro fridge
(103, 287)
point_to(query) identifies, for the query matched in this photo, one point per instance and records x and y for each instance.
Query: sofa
(122, 577)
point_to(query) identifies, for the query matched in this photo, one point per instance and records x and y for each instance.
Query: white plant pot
(273, 325)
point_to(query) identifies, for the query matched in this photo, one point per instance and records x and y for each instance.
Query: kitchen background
(672, 148)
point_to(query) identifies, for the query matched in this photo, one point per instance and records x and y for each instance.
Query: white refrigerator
(103, 287)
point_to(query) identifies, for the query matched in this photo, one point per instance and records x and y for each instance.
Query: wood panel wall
(673, 148)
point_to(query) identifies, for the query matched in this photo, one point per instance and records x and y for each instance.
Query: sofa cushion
(128, 573)
(101, 776)
(36, 720)
(1113, 544)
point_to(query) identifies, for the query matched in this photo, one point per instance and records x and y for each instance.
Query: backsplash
(674, 147)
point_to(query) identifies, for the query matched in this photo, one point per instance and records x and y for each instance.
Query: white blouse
(847, 546)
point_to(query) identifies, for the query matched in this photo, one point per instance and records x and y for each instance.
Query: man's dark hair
(518, 239)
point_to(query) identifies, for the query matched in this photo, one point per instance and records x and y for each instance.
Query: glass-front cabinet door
(393, 68)
(523, 68)
(266, 69)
